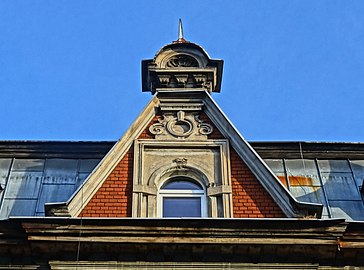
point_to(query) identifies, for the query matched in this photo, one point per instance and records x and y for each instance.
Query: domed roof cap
(181, 64)
(181, 53)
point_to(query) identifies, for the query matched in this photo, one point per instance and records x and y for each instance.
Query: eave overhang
(187, 230)
(332, 242)
(310, 150)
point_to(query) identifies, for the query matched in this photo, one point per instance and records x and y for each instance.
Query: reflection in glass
(181, 207)
(182, 184)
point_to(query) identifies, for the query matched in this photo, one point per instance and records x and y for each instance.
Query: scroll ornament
(181, 127)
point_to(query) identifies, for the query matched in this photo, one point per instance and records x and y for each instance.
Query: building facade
(181, 189)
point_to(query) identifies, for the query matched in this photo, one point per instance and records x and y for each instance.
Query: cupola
(181, 65)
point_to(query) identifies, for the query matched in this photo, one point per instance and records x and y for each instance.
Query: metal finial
(180, 33)
(180, 30)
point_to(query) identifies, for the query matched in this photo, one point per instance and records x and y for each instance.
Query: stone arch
(158, 161)
(164, 173)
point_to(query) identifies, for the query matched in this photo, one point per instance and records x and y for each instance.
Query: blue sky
(70, 70)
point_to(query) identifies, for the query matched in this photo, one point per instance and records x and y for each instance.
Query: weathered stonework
(205, 162)
(181, 126)
(240, 197)
(182, 66)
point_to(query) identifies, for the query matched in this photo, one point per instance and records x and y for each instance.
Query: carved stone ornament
(182, 60)
(180, 162)
(182, 126)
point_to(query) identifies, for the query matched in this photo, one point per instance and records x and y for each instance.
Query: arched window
(182, 197)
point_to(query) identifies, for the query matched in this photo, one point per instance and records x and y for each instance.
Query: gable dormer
(182, 157)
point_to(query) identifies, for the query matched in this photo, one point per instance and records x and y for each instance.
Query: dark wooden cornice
(326, 242)
(54, 149)
(320, 150)
(98, 149)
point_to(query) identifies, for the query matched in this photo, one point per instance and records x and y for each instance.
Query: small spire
(180, 30)
(180, 33)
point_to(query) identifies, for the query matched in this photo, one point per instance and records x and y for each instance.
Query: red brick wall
(114, 197)
(216, 134)
(146, 133)
(250, 199)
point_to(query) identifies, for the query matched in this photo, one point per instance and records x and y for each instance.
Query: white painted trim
(181, 193)
(167, 192)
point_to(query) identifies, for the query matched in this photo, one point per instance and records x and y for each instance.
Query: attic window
(182, 197)
(170, 173)
(182, 60)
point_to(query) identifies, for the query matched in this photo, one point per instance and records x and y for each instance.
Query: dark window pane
(182, 185)
(181, 207)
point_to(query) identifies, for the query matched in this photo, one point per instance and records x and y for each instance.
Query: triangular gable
(281, 196)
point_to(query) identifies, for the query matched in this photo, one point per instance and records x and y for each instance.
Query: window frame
(154, 164)
(182, 193)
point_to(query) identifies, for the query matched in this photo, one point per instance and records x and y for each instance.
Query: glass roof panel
(276, 165)
(4, 170)
(28, 165)
(87, 165)
(53, 193)
(340, 186)
(24, 185)
(334, 165)
(17, 207)
(347, 209)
